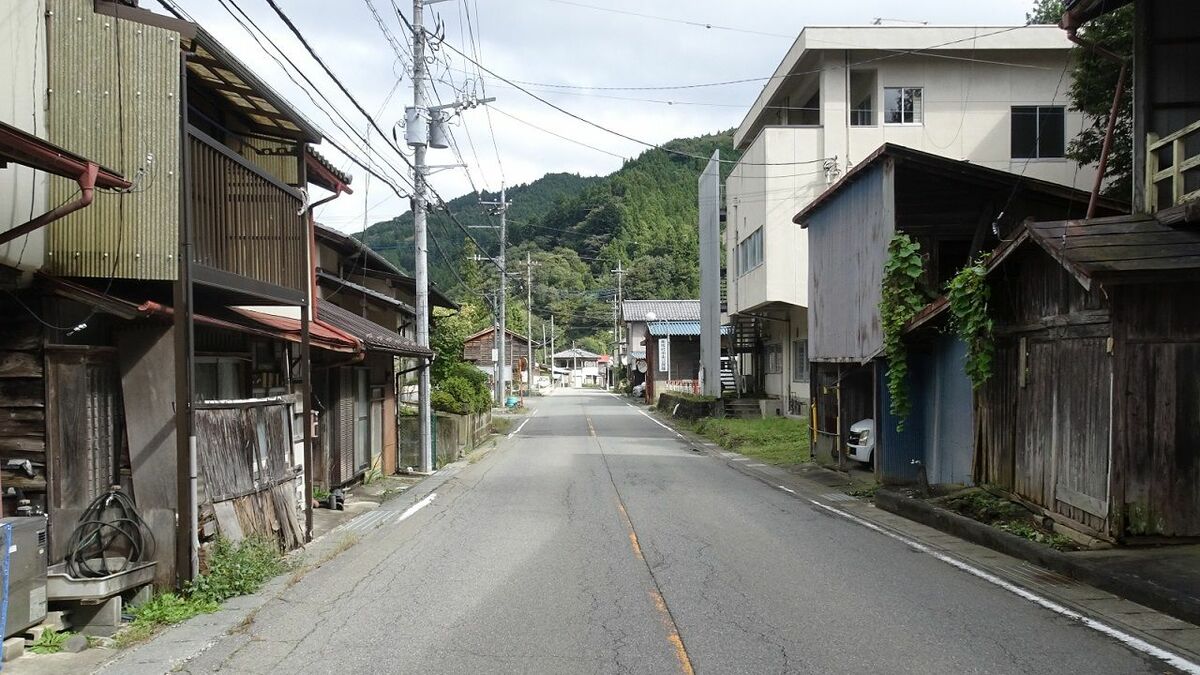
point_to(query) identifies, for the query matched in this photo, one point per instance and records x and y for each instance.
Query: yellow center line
(660, 603)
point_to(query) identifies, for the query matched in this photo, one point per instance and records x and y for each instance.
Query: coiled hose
(109, 529)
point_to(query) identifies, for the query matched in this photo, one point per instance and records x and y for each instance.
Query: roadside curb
(1126, 586)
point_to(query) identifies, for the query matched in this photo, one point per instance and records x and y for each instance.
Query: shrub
(442, 401)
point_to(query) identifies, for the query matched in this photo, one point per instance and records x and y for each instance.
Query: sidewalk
(1117, 616)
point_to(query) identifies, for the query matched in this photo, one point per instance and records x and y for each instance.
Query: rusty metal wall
(113, 96)
(847, 247)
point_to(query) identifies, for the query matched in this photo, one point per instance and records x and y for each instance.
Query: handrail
(1173, 171)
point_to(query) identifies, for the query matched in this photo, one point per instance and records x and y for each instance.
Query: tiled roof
(664, 310)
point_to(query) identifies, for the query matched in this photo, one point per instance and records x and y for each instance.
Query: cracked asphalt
(525, 564)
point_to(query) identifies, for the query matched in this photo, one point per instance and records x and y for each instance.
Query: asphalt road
(595, 541)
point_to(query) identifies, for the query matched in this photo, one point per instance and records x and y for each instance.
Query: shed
(1093, 411)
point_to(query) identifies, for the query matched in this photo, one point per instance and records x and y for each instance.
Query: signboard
(664, 354)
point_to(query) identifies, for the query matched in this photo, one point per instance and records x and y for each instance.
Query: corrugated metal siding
(848, 242)
(896, 450)
(945, 399)
(116, 110)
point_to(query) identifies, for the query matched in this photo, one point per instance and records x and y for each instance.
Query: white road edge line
(520, 426)
(643, 413)
(786, 489)
(1128, 640)
(416, 507)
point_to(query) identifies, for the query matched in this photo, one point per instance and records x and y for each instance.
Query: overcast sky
(550, 41)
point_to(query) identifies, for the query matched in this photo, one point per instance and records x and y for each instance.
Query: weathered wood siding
(1157, 431)
(1043, 420)
(848, 242)
(479, 350)
(22, 401)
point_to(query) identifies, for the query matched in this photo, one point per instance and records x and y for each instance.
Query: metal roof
(490, 329)
(664, 310)
(680, 328)
(25, 148)
(576, 353)
(1078, 12)
(953, 169)
(373, 336)
(376, 264)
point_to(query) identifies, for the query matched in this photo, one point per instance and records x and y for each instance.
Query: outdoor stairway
(747, 331)
(743, 408)
(728, 379)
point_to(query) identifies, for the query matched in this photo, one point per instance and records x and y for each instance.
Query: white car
(860, 445)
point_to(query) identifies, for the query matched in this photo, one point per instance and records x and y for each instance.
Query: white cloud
(547, 41)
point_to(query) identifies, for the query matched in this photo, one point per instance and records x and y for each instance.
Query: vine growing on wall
(968, 294)
(902, 298)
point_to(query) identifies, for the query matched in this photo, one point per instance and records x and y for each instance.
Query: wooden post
(1151, 169)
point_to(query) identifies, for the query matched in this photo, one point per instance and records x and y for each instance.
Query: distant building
(479, 350)
(576, 367)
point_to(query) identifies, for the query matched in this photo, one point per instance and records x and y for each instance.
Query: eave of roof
(334, 281)
(944, 164)
(373, 336)
(379, 266)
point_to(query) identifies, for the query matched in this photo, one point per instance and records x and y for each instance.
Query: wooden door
(86, 428)
(1083, 430)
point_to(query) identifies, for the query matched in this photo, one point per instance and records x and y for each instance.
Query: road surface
(596, 541)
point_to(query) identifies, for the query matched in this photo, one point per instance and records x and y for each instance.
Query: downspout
(1073, 36)
(87, 186)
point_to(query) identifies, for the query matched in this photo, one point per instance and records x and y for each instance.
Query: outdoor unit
(23, 561)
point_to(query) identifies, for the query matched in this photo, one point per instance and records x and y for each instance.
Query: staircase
(728, 379)
(743, 408)
(747, 331)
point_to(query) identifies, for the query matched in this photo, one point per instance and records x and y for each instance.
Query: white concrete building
(997, 96)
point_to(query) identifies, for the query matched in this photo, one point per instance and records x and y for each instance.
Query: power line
(697, 24)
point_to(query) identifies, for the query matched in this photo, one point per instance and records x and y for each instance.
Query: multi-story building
(995, 96)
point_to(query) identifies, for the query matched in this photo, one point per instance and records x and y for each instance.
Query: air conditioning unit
(24, 556)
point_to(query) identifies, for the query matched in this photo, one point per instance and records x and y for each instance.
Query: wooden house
(954, 210)
(1093, 411)
(479, 349)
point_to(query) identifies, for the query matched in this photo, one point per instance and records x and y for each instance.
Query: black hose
(110, 527)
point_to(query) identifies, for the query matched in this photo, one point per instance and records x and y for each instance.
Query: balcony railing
(1176, 193)
(245, 222)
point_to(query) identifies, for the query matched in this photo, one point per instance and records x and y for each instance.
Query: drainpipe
(1073, 36)
(87, 186)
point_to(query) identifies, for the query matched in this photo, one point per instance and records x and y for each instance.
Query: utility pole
(544, 350)
(420, 264)
(529, 321)
(502, 263)
(424, 127)
(620, 272)
(553, 384)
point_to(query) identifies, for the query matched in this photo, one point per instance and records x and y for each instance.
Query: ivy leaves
(902, 298)
(968, 295)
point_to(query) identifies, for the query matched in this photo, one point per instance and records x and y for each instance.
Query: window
(1039, 132)
(220, 378)
(902, 105)
(799, 360)
(862, 98)
(750, 252)
(774, 358)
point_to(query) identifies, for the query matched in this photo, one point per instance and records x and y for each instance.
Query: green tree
(1094, 83)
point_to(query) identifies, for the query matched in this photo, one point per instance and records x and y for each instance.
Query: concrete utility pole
(709, 191)
(425, 126)
(502, 262)
(529, 321)
(620, 272)
(544, 350)
(420, 264)
(553, 384)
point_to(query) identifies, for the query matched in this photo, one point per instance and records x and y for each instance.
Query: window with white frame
(1039, 132)
(799, 360)
(750, 252)
(903, 105)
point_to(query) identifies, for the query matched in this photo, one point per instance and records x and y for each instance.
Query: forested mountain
(575, 230)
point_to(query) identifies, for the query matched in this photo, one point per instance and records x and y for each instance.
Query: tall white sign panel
(710, 277)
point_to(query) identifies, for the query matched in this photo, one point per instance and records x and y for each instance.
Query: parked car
(860, 445)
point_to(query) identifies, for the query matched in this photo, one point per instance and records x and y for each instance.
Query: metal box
(23, 572)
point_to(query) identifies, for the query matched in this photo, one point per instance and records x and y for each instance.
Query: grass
(1004, 515)
(501, 425)
(777, 440)
(233, 569)
(50, 641)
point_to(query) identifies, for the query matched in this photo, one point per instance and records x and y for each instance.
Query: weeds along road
(595, 541)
